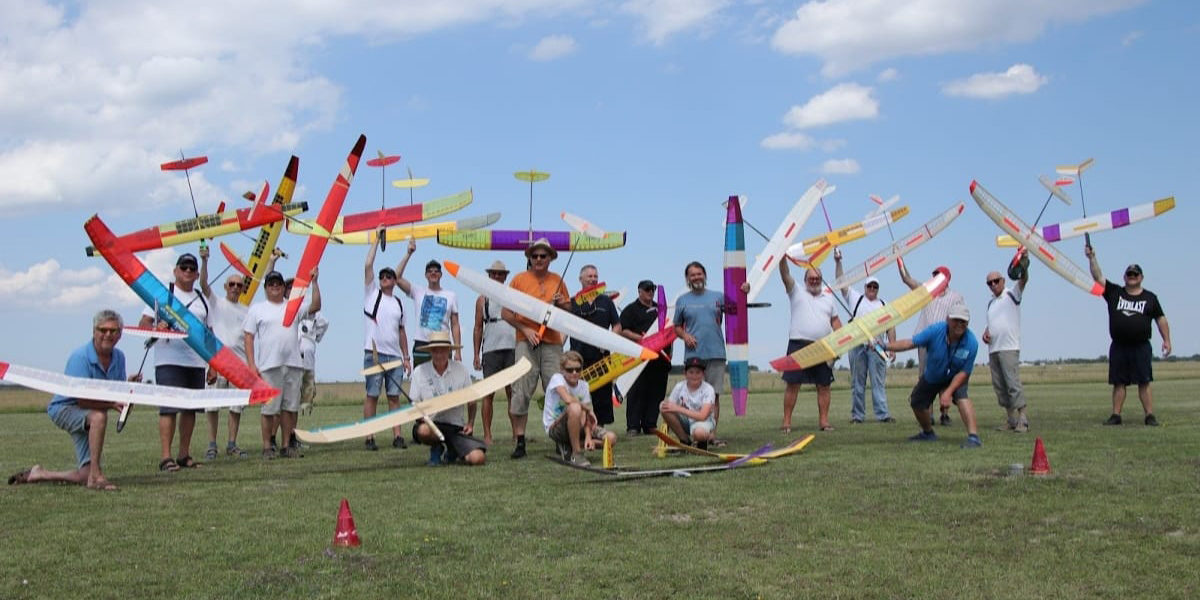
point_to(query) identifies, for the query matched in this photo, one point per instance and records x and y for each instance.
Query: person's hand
(837, 254)
(136, 377)
(478, 363)
(204, 252)
(458, 355)
(406, 364)
(530, 336)
(412, 245)
(987, 336)
(945, 399)
(1166, 348)
(589, 444)
(689, 340)
(468, 429)
(1089, 252)
(891, 356)
(745, 287)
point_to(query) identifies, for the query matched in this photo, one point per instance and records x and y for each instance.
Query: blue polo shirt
(944, 360)
(85, 363)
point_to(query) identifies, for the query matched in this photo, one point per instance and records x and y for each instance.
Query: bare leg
(166, 434)
(1118, 399)
(823, 399)
(487, 419)
(287, 421)
(267, 427)
(370, 403)
(518, 424)
(717, 408)
(1146, 397)
(213, 417)
(187, 423)
(235, 422)
(39, 475)
(393, 404)
(789, 403)
(924, 418)
(574, 416)
(966, 410)
(97, 426)
(672, 421)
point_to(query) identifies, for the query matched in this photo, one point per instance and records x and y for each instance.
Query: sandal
(20, 477)
(236, 452)
(211, 453)
(168, 464)
(827, 428)
(187, 462)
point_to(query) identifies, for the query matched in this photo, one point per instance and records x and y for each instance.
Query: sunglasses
(873, 285)
(813, 279)
(539, 255)
(1132, 274)
(572, 369)
(995, 281)
(186, 267)
(235, 284)
(108, 330)
(387, 276)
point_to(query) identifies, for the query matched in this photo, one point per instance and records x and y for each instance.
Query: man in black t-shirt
(600, 311)
(647, 392)
(1131, 308)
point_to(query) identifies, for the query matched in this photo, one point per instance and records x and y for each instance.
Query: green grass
(859, 514)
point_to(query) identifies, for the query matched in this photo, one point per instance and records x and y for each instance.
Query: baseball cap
(647, 285)
(390, 272)
(186, 258)
(870, 280)
(959, 311)
(273, 276)
(694, 362)
(1136, 268)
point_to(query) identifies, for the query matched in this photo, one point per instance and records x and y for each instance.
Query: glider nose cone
(648, 354)
(452, 267)
(973, 184)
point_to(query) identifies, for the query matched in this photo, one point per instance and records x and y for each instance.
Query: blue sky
(646, 113)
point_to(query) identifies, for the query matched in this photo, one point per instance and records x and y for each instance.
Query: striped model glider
(404, 232)
(549, 316)
(397, 215)
(768, 259)
(268, 236)
(153, 332)
(202, 227)
(315, 247)
(865, 328)
(199, 338)
(899, 248)
(847, 234)
(1103, 222)
(737, 318)
(123, 392)
(413, 412)
(881, 205)
(1034, 243)
(519, 239)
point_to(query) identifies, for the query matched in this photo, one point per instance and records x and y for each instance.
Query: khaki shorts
(559, 432)
(223, 384)
(287, 380)
(545, 359)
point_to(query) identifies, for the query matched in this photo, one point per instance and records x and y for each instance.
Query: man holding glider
(1131, 308)
(864, 360)
(934, 312)
(1003, 337)
(813, 316)
(386, 341)
(601, 312)
(950, 350)
(85, 419)
(228, 316)
(437, 308)
(643, 397)
(697, 320)
(568, 416)
(493, 341)
(542, 346)
(437, 377)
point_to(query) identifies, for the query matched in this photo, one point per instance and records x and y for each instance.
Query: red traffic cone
(1041, 464)
(346, 533)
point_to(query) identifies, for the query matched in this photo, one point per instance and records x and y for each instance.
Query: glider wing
(123, 392)
(1102, 222)
(768, 259)
(899, 248)
(518, 239)
(737, 321)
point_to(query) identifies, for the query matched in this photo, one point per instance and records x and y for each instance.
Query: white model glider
(124, 392)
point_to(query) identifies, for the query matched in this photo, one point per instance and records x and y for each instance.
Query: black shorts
(495, 361)
(456, 440)
(1129, 364)
(192, 378)
(821, 374)
(924, 393)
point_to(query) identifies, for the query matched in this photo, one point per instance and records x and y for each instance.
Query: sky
(646, 113)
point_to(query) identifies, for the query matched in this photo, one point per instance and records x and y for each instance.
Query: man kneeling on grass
(568, 416)
(688, 411)
(437, 377)
(950, 350)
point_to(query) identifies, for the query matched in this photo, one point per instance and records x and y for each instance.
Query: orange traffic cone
(1041, 464)
(346, 533)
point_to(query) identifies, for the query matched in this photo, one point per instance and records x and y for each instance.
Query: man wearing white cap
(950, 350)
(934, 312)
(864, 359)
(494, 341)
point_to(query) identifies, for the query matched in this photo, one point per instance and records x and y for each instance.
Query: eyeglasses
(108, 330)
(234, 284)
(387, 276)
(813, 279)
(1132, 274)
(186, 267)
(995, 281)
(572, 369)
(539, 255)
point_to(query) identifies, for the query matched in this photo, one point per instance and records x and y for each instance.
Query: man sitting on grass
(437, 377)
(688, 411)
(568, 416)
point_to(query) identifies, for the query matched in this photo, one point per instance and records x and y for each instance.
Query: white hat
(438, 339)
(541, 243)
(959, 311)
(870, 280)
(497, 267)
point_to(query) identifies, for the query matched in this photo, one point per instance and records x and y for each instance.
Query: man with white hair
(813, 316)
(1003, 337)
(864, 360)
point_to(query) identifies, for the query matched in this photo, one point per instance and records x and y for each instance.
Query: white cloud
(663, 18)
(888, 74)
(843, 102)
(1131, 37)
(1018, 79)
(852, 34)
(840, 166)
(552, 47)
(48, 287)
(788, 140)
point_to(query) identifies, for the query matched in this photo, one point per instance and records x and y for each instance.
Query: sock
(520, 440)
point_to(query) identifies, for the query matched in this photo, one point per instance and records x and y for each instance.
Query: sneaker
(211, 453)
(435, 455)
(633, 432)
(972, 441)
(944, 419)
(1021, 427)
(291, 452)
(1151, 421)
(856, 421)
(518, 452)
(888, 420)
(924, 436)
(579, 460)
(1113, 419)
(268, 454)
(235, 452)
(398, 442)
(370, 445)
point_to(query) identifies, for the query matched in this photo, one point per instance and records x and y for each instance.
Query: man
(228, 316)
(950, 350)
(543, 347)
(273, 353)
(601, 312)
(84, 419)
(689, 410)
(864, 360)
(494, 342)
(934, 312)
(697, 320)
(568, 416)
(643, 397)
(435, 378)
(813, 316)
(176, 364)
(1131, 308)
(312, 331)
(386, 341)
(1003, 337)
(437, 309)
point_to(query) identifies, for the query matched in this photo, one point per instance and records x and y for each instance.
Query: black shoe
(1113, 419)
(398, 442)
(371, 444)
(518, 452)
(1151, 421)
(856, 421)
(888, 420)
(944, 419)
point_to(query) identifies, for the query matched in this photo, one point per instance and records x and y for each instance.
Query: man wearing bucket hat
(934, 312)
(543, 347)
(950, 350)
(435, 378)
(1131, 308)
(493, 340)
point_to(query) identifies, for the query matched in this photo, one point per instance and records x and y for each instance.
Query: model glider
(628, 474)
(737, 322)
(549, 316)
(268, 236)
(582, 225)
(625, 369)
(881, 206)
(415, 231)
(1103, 222)
(411, 182)
(1034, 243)
(1055, 188)
(199, 338)
(381, 162)
(203, 227)
(768, 259)
(513, 239)
(1075, 170)
(865, 328)
(397, 215)
(796, 446)
(325, 219)
(153, 332)
(124, 392)
(413, 412)
(899, 248)
(184, 164)
(847, 234)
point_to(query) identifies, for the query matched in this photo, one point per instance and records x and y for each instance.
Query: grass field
(859, 514)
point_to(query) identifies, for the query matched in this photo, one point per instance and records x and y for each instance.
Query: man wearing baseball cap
(950, 350)
(864, 360)
(934, 312)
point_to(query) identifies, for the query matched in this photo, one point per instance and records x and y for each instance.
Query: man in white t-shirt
(934, 312)
(1003, 337)
(494, 341)
(568, 416)
(386, 342)
(813, 316)
(273, 353)
(436, 308)
(688, 410)
(865, 359)
(228, 316)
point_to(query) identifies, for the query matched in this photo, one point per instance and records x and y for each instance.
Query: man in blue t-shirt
(86, 420)
(697, 323)
(950, 350)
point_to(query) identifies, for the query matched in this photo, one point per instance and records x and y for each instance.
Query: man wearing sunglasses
(1003, 337)
(228, 314)
(386, 341)
(1131, 308)
(934, 312)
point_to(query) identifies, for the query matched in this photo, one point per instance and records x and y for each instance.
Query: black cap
(646, 284)
(433, 264)
(694, 362)
(1136, 268)
(187, 258)
(273, 276)
(387, 271)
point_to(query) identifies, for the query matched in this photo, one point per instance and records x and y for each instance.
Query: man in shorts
(813, 316)
(688, 411)
(494, 341)
(439, 377)
(568, 416)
